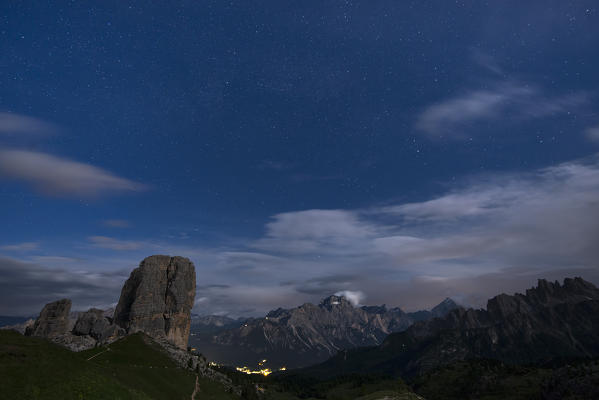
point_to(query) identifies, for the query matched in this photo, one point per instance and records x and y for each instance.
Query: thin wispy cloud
(592, 133)
(106, 242)
(24, 246)
(455, 116)
(27, 286)
(487, 62)
(17, 124)
(353, 296)
(116, 223)
(58, 176)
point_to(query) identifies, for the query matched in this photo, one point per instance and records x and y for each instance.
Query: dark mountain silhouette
(548, 322)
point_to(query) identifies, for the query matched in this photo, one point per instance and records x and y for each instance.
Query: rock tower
(157, 299)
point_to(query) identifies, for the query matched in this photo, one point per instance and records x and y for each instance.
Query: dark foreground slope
(494, 380)
(549, 322)
(132, 368)
(136, 367)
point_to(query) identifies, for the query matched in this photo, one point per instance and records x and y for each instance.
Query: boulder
(95, 324)
(75, 342)
(53, 320)
(157, 299)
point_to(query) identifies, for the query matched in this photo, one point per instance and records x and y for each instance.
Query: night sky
(399, 151)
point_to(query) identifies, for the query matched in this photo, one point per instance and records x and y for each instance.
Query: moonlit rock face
(157, 299)
(53, 319)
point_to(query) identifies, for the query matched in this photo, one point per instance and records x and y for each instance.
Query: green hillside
(132, 368)
(136, 368)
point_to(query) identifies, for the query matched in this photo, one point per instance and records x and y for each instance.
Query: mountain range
(541, 344)
(304, 335)
(549, 322)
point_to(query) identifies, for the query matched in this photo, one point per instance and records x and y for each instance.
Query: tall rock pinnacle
(157, 299)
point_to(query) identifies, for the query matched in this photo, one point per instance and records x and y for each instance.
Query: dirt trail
(196, 390)
(96, 355)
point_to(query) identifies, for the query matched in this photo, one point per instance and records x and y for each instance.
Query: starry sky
(400, 151)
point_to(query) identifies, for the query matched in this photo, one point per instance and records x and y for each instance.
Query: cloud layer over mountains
(491, 233)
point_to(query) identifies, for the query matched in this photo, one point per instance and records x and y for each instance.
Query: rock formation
(157, 299)
(93, 323)
(89, 329)
(53, 319)
(21, 328)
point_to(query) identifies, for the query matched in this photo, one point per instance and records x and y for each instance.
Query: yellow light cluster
(246, 370)
(265, 371)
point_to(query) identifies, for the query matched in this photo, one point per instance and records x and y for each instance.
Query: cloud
(322, 286)
(25, 246)
(453, 116)
(592, 133)
(55, 260)
(116, 223)
(487, 62)
(314, 231)
(510, 229)
(11, 124)
(106, 242)
(354, 297)
(27, 287)
(62, 177)
(474, 201)
(491, 233)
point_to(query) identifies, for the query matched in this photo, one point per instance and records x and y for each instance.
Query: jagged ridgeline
(305, 335)
(547, 323)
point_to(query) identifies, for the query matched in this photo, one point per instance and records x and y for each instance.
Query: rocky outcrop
(53, 320)
(157, 299)
(94, 323)
(88, 330)
(21, 328)
(194, 361)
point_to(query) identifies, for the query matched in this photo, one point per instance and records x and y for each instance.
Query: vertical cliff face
(157, 299)
(53, 319)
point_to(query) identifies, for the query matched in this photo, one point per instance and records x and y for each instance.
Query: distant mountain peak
(335, 300)
(444, 307)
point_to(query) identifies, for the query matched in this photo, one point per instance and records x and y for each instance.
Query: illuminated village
(261, 371)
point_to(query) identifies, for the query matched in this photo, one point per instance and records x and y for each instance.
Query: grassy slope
(136, 368)
(363, 387)
(482, 379)
(133, 368)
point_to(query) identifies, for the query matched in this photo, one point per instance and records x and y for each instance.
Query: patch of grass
(366, 387)
(210, 390)
(482, 379)
(33, 368)
(132, 368)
